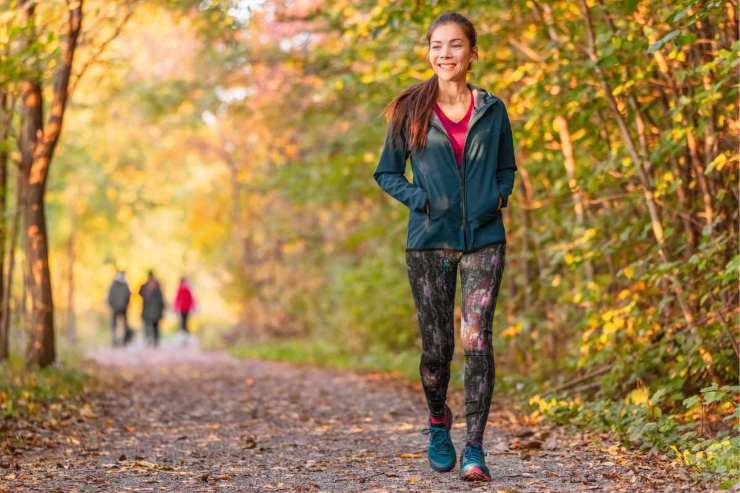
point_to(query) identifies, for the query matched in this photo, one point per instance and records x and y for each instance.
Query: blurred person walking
(152, 308)
(459, 141)
(119, 296)
(184, 303)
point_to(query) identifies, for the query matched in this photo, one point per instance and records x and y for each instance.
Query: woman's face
(450, 52)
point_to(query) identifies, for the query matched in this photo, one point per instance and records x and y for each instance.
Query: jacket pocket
(487, 217)
(486, 208)
(440, 206)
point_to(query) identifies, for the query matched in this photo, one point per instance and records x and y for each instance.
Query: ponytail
(409, 113)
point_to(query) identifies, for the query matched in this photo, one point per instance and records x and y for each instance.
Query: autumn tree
(38, 141)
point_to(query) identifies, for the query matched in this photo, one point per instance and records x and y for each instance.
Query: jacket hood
(483, 98)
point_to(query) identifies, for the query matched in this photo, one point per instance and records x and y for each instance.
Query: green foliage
(654, 420)
(371, 301)
(29, 394)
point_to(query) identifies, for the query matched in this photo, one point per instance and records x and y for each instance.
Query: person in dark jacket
(152, 308)
(458, 139)
(119, 295)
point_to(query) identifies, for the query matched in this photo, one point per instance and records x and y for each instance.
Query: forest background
(234, 142)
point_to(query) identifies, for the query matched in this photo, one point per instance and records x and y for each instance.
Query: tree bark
(4, 132)
(71, 318)
(38, 142)
(8, 286)
(569, 161)
(732, 26)
(532, 244)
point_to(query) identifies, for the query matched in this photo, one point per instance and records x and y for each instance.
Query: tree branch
(60, 94)
(94, 58)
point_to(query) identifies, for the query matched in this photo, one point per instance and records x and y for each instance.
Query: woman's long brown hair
(409, 112)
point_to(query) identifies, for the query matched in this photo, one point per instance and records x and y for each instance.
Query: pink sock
(441, 421)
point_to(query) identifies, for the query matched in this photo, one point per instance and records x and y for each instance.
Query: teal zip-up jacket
(450, 206)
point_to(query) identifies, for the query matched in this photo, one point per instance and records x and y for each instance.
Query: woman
(184, 303)
(462, 156)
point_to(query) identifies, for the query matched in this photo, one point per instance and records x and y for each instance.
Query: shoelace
(474, 453)
(439, 436)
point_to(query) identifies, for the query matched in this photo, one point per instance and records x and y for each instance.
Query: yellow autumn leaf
(556, 280)
(638, 396)
(409, 455)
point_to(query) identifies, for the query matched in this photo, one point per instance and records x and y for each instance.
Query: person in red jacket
(184, 303)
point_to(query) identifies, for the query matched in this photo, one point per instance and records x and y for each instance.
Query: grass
(405, 364)
(328, 355)
(37, 396)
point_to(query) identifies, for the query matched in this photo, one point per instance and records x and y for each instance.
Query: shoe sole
(475, 474)
(443, 469)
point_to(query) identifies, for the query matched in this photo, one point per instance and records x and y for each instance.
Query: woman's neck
(453, 91)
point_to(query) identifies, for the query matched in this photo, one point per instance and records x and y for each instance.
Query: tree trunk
(525, 254)
(4, 131)
(38, 142)
(569, 161)
(8, 286)
(683, 200)
(732, 26)
(41, 345)
(71, 317)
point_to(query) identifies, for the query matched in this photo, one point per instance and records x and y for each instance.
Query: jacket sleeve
(506, 161)
(390, 174)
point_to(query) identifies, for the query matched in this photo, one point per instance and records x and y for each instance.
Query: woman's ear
(474, 59)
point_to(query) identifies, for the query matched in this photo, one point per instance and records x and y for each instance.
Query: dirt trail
(178, 419)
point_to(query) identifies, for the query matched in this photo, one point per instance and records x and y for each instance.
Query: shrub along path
(179, 419)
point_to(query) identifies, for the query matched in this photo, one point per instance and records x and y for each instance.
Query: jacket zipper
(462, 168)
(474, 118)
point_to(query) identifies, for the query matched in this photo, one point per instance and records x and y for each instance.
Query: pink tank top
(456, 131)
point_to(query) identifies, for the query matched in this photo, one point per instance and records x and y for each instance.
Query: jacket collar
(482, 101)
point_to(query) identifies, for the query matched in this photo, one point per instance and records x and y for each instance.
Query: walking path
(182, 420)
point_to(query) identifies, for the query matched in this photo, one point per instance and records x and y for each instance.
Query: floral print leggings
(433, 275)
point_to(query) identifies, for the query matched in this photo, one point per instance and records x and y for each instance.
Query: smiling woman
(462, 155)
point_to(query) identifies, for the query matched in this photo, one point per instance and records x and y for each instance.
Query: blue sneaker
(473, 464)
(441, 452)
